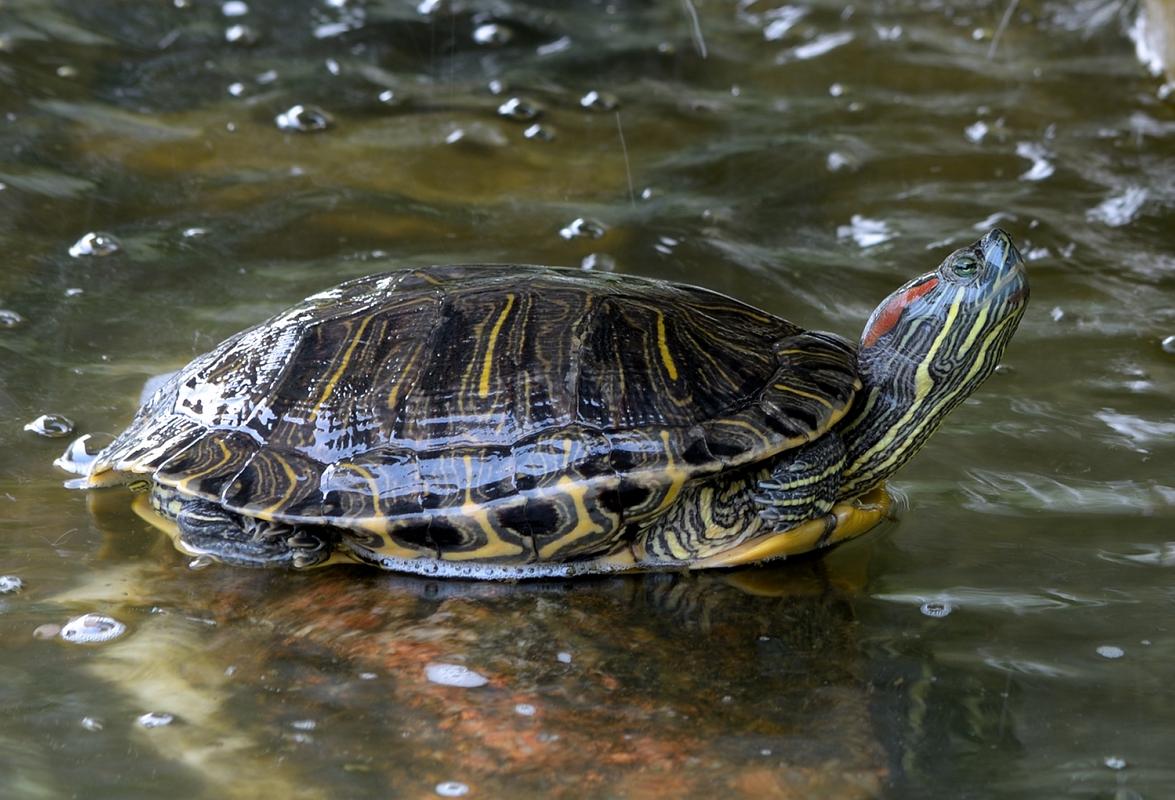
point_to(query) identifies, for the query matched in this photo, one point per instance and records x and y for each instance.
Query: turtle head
(926, 348)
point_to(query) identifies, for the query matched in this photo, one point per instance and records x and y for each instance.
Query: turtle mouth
(998, 251)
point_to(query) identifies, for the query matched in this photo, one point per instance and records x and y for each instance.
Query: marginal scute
(203, 468)
(274, 484)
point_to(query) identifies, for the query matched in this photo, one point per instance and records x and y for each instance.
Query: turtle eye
(966, 266)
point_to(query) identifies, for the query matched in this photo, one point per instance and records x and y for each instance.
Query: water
(816, 157)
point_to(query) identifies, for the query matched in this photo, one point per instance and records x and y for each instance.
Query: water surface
(1010, 636)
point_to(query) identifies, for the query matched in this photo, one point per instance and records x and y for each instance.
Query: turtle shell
(486, 412)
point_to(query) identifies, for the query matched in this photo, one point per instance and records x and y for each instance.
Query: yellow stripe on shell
(483, 387)
(338, 373)
(663, 346)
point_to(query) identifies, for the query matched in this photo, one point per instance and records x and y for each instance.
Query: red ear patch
(888, 315)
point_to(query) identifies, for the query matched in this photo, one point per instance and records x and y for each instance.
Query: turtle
(511, 421)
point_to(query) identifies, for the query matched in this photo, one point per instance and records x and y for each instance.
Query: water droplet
(10, 584)
(1057, 314)
(454, 675)
(388, 98)
(236, 89)
(599, 101)
(194, 233)
(583, 228)
(52, 425)
(525, 710)
(234, 8)
(92, 629)
(201, 562)
(836, 90)
(92, 724)
(598, 262)
(1115, 762)
(10, 319)
(303, 119)
(95, 244)
(452, 789)
(522, 110)
(563, 656)
(492, 34)
(1110, 651)
(497, 86)
(936, 608)
(155, 719)
(77, 458)
(74, 291)
(49, 630)
(66, 71)
(539, 133)
(241, 34)
(1168, 344)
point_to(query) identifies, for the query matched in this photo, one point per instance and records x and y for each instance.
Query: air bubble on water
(837, 161)
(976, 133)
(92, 724)
(332, 66)
(388, 97)
(1036, 153)
(367, 676)
(599, 101)
(519, 109)
(665, 245)
(583, 228)
(865, 232)
(525, 709)
(452, 789)
(1110, 651)
(498, 86)
(234, 8)
(936, 608)
(598, 262)
(303, 119)
(1115, 762)
(78, 457)
(201, 562)
(194, 233)
(1121, 209)
(74, 291)
(10, 319)
(454, 675)
(304, 724)
(67, 71)
(492, 34)
(1057, 314)
(1168, 344)
(10, 584)
(155, 719)
(92, 629)
(236, 89)
(426, 7)
(563, 657)
(241, 34)
(97, 244)
(836, 90)
(53, 426)
(539, 132)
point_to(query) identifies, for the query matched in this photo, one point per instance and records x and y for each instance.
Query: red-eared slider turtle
(517, 421)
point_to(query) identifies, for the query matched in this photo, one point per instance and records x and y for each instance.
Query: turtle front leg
(803, 485)
(208, 529)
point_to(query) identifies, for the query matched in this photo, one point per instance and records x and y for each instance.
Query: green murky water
(807, 157)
